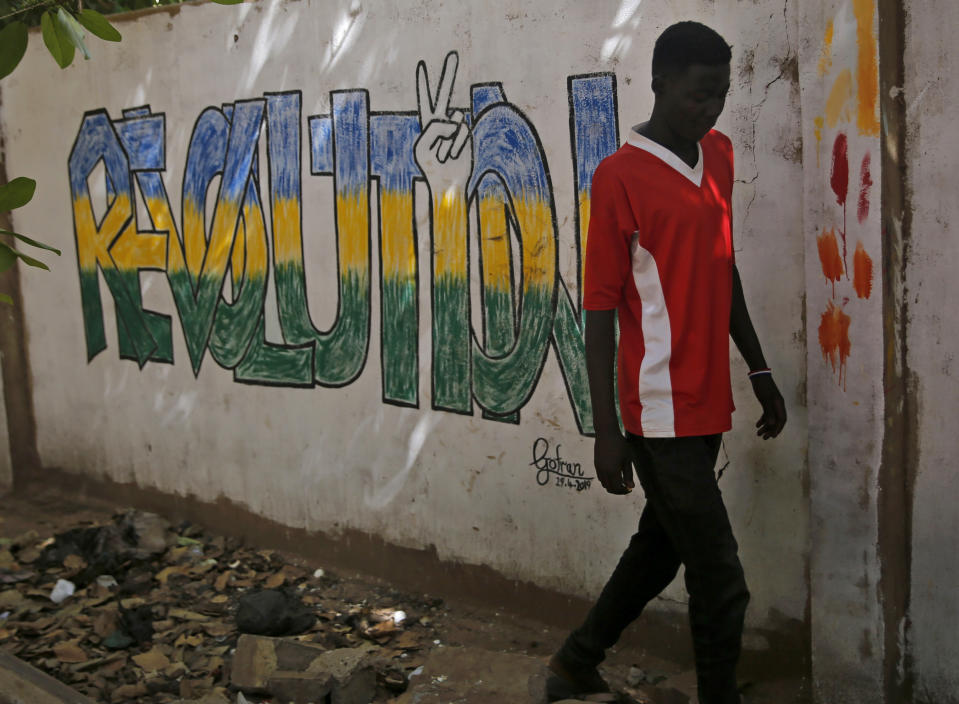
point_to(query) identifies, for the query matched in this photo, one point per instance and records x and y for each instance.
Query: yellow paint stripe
(584, 205)
(837, 105)
(495, 244)
(539, 248)
(134, 250)
(163, 220)
(253, 246)
(86, 229)
(287, 238)
(825, 58)
(818, 132)
(238, 258)
(194, 227)
(399, 247)
(221, 240)
(352, 222)
(93, 242)
(449, 235)
(867, 72)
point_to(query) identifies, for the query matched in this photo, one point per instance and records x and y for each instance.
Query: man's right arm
(611, 452)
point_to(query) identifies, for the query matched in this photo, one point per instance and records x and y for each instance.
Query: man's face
(693, 99)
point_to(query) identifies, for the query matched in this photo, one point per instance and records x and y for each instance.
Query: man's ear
(658, 84)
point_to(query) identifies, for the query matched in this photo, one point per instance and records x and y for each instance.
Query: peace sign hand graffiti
(443, 150)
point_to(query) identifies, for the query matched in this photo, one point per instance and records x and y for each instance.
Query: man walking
(659, 256)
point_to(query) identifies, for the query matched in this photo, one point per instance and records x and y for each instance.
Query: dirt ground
(350, 602)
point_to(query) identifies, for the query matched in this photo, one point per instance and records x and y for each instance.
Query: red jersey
(659, 251)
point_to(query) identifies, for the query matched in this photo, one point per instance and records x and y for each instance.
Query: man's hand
(774, 408)
(613, 459)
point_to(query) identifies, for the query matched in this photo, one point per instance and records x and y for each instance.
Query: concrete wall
(349, 401)
(6, 465)
(931, 97)
(841, 228)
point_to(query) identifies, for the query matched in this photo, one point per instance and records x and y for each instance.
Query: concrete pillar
(844, 313)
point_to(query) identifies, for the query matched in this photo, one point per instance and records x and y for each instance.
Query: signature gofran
(565, 474)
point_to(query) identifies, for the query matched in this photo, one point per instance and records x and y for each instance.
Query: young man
(659, 256)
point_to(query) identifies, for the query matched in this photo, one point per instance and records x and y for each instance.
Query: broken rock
(300, 672)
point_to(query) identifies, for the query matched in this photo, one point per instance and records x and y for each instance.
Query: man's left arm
(744, 335)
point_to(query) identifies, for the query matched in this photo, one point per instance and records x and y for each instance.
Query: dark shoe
(568, 682)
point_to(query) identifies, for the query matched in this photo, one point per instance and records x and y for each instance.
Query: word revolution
(256, 230)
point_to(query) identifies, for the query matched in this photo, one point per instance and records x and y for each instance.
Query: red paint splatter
(834, 339)
(862, 272)
(829, 257)
(840, 168)
(865, 180)
(839, 180)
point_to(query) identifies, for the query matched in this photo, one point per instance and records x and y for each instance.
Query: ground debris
(153, 617)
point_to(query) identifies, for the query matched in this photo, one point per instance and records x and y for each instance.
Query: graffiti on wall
(852, 105)
(488, 178)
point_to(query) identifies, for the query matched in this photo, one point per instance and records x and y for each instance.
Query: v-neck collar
(694, 174)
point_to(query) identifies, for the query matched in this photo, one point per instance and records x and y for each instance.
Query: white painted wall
(328, 459)
(932, 95)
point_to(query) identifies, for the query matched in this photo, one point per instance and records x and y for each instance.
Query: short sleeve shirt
(659, 251)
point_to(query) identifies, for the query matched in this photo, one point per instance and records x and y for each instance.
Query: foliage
(63, 27)
(14, 195)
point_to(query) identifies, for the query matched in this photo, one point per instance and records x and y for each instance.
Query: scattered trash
(417, 672)
(118, 640)
(62, 590)
(137, 622)
(635, 676)
(106, 581)
(271, 612)
(151, 614)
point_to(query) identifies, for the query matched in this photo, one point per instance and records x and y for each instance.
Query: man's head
(691, 78)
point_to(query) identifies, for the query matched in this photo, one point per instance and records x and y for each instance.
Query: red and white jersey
(659, 251)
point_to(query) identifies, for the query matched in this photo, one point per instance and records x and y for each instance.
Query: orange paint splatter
(834, 340)
(825, 58)
(862, 272)
(867, 70)
(840, 97)
(832, 267)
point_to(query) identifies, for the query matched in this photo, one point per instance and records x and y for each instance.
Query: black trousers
(684, 522)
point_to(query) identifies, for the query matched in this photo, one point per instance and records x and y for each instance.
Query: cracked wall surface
(931, 90)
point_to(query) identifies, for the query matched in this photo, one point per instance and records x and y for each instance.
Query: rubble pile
(136, 610)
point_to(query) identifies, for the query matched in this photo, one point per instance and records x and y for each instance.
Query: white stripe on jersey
(655, 385)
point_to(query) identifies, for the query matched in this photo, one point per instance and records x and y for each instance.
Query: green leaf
(16, 193)
(35, 243)
(4, 298)
(8, 257)
(58, 44)
(13, 45)
(20, 255)
(228, 2)
(72, 29)
(98, 25)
